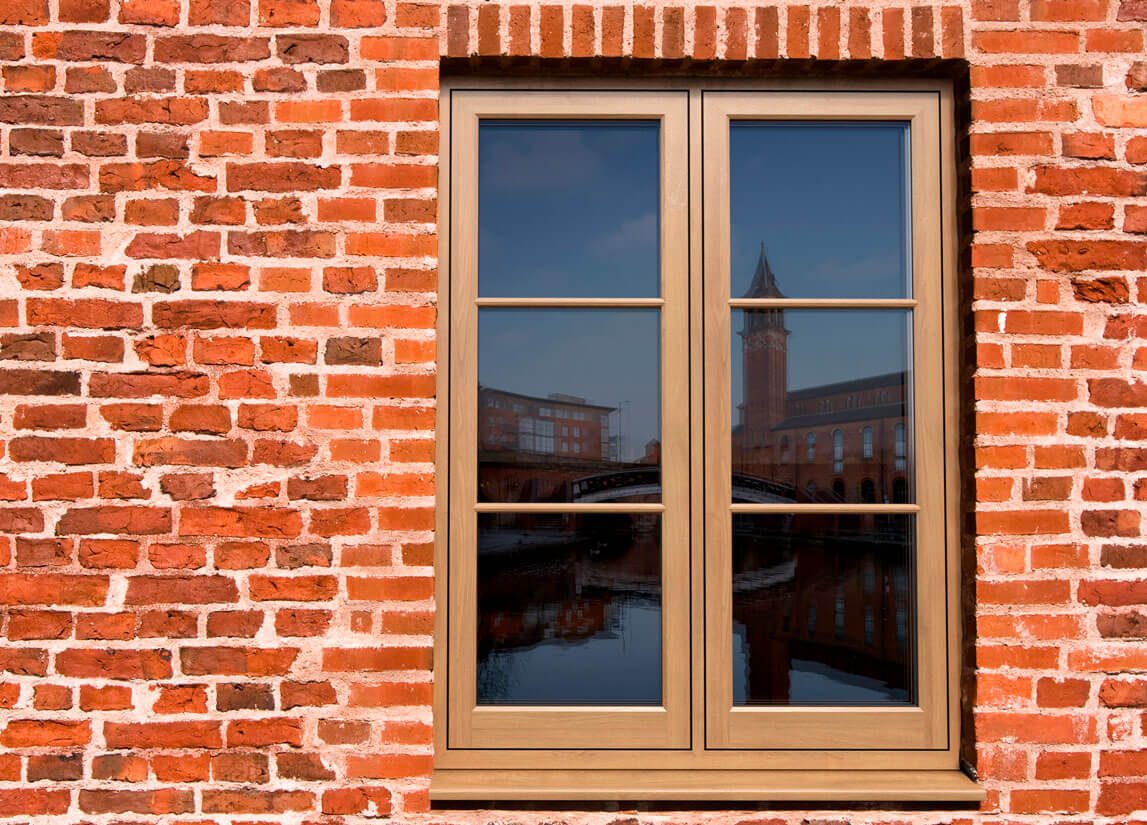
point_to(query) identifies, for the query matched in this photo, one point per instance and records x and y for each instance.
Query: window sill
(453, 785)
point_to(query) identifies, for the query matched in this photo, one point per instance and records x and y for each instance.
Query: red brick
(211, 525)
(1026, 42)
(1120, 798)
(115, 519)
(1041, 801)
(146, 735)
(51, 697)
(44, 733)
(115, 664)
(263, 732)
(237, 661)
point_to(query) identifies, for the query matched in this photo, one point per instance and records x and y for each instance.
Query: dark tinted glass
(806, 385)
(568, 208)
(568, 405)
(569, 609)
(821, 206)
(822, 610)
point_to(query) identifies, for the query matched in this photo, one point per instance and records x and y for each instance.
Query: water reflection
(822, 610)
(569, 609)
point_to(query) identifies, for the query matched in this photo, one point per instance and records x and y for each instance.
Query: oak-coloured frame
(924, 726)
(470, 725)
(720, 753)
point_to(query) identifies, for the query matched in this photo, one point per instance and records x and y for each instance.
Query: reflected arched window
(810, 446)
(899, 491)
(838, 613)
(837, 450)
(901, 446)
(868, 491)
(867, 437)
(838, 489)
(900, 585)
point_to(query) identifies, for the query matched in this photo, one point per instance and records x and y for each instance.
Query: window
(901, 460)
(680, 266)
(544, 437)
(526, 434)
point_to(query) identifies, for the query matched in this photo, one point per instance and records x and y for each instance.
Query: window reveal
(574, 576)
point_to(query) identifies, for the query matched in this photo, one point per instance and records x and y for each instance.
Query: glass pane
(569, 209)
(829, 201)
(822, 610)
(569, 609)
(569, 405)
(821, 406)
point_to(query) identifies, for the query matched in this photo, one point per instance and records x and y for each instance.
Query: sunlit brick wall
(217, 359)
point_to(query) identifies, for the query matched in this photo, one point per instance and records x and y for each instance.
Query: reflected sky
(605, 356)
(829, 201)
(568, 208)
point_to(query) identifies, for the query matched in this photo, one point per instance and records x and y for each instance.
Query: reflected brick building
(556, 448)
(528, 445)
(842, 442)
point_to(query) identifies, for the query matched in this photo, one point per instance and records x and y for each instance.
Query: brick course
(217, 288)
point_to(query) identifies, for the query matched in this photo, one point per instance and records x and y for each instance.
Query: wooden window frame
(923, 727)
(490, 727)
(697, 746)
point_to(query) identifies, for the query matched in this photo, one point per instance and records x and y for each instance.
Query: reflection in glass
(569, 609)
(853, 570)
(569, 208)
(828, 200)
(820, 405)
(569, 405)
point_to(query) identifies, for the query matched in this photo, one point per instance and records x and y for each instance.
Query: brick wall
(217, 292)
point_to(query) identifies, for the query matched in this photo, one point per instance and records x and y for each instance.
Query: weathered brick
(128, 520)
(312, 48)
(211, 48)
(158, 164)
(87, 46)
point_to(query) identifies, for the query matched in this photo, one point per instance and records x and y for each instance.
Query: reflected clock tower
(764, 345)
